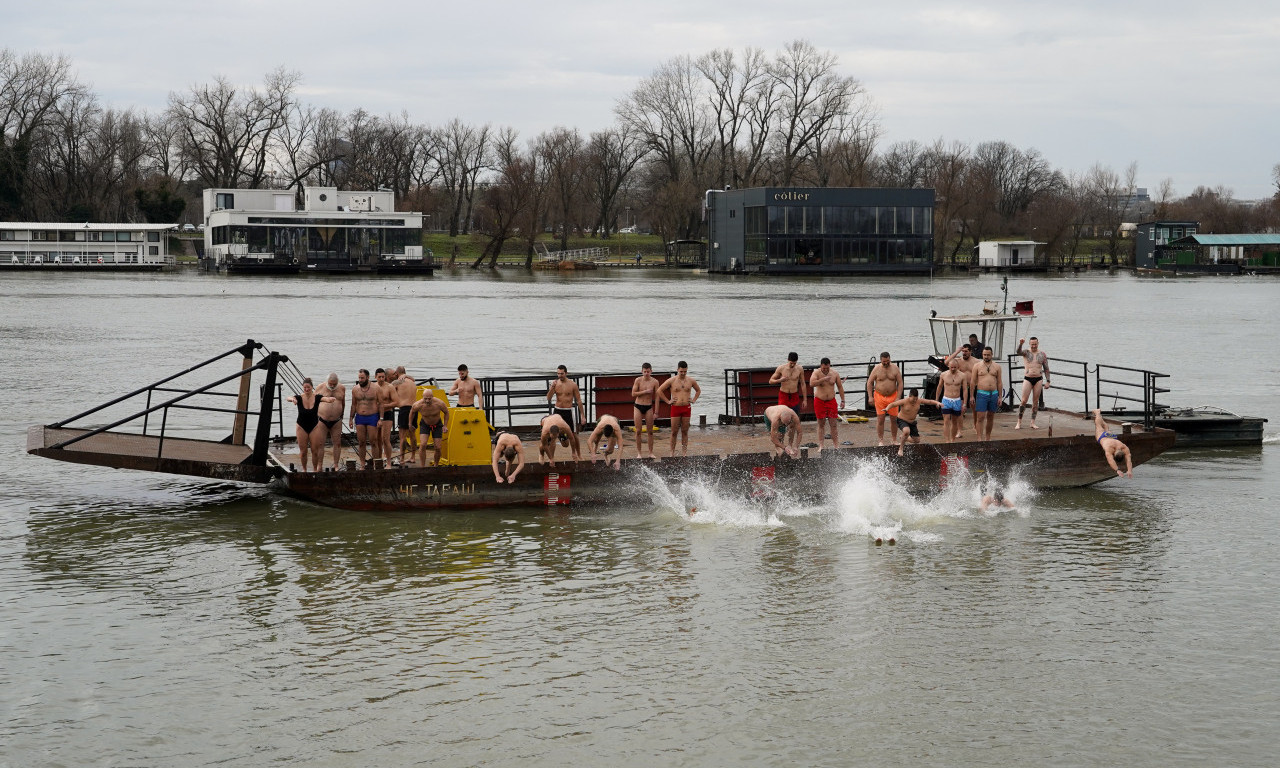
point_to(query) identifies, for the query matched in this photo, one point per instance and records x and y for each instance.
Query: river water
(160, 621)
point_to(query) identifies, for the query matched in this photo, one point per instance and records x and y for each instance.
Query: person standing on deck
(309, 432)
(884, 386)
(789, 377)
(406, 392)
(567, 399)
(987, 382)
(331, 414)
(905, 421)
(975, 347)
(508, 447)
(386, 399)
(825, 382)
(784, 425)
(644, 394)
(683, 392)
(1035, 378)
(468, 390)
(953, 391)
(364, 417)
(1112, 446)
(967, 364)
(432, 416)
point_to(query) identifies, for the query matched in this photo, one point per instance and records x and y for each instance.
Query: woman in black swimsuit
(310, 435)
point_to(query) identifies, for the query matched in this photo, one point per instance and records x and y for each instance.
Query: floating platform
(736, 459)
(1204, 426)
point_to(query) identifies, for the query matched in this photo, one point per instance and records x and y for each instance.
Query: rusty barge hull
(1058, 462)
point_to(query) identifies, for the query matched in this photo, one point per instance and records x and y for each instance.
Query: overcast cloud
(1186, 89)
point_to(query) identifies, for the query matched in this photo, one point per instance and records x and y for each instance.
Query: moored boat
(734, 456)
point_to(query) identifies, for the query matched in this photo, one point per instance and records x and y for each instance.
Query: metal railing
(269, 392)
(743, 386)
(1097, 383)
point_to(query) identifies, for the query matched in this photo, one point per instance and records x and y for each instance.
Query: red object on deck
(613, 395)
(1023, 308)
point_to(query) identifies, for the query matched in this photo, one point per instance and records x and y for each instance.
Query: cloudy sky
(1187, 89)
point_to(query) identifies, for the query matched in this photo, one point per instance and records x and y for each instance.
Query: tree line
(726, 118)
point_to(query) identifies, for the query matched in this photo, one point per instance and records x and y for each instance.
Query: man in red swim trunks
(681, 392)
(791, 387)
(825, 382)
(884, 385)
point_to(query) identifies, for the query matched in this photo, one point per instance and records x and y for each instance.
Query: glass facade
(837, 235)
(318, 243)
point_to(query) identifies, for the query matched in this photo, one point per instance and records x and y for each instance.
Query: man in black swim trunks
(645, 411)
(386, 396)
(566, 399)
(432, 415)
(909, 408)
(406, 390)
(331, 414)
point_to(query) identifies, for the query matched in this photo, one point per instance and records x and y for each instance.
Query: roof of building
(63, 226)
(1228, 240)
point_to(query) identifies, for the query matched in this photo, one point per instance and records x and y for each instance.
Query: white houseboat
(264, 231)
(28, 245)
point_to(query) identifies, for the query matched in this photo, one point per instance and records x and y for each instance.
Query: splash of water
(869, 501)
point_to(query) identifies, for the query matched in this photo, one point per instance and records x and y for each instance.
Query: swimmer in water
(996, 499)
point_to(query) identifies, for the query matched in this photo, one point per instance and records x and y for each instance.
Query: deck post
(262, 437)
(242, 402)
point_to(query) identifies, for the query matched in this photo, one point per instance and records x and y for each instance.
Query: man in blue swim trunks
(953, 391)
(364, 417)
(988, 384)
(1112, 446)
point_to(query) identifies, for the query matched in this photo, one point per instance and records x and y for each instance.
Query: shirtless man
(884, 386)
(967, 364)
(1035, 378)
(996, 499)
(784, 424)
(644, 394)
(907, 428)
(386, 399)
(987, 383)
(364, 417)
(432, 416)
(466, 388)
(406, 392)
(1111, 446)
(825, 382)
(681, 392)
(568, 398)
(609, 432)
(508, 447)
(789, 377)
(331, 414)
(953, 391)
(556, 430)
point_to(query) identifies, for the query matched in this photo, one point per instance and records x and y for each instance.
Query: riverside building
(820, 230)
(30, 245)
(265, 231)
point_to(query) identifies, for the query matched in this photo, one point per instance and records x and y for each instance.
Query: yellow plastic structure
(467, 442)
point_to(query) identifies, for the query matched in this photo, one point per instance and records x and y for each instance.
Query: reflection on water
(154, 620)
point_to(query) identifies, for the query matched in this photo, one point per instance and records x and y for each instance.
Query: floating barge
(734, 456)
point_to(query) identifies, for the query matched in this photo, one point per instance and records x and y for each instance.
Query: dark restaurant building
(820, 230)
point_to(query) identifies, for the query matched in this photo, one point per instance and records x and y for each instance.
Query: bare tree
(610, 158)
(464, 154)
(561, 151)
(227, 134)
(31, 87)
(813, 98)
